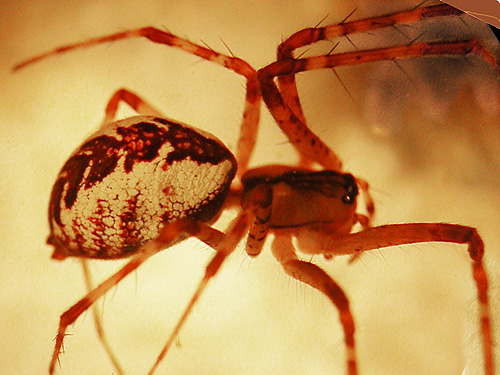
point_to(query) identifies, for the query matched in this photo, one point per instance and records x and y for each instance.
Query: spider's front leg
(287, 83)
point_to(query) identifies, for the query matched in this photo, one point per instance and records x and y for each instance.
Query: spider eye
(348, 199)
(351, 189)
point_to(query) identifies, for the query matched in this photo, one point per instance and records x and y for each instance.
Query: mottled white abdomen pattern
(116, 191)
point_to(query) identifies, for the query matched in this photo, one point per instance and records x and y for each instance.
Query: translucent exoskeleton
(142, 184)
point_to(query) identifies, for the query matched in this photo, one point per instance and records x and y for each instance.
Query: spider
(101, 207)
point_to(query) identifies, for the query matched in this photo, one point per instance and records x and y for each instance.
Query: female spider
(93, 213)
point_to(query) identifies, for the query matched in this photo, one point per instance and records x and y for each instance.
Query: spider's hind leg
(224, 244)
(98, 321)
(170, 234)
(133, 100)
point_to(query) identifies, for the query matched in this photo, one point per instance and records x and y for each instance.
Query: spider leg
(292, 124)
(251, 113)
(98, 321)
(365, 221)
(400, 234)
(305, 37)
(133, 100)
(170, 234)
(224, 247)
(260, 205)
(314, 276)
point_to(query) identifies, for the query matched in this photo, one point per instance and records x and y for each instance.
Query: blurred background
(425, 134)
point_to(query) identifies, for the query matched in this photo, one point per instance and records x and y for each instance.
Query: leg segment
(98, 322)
(287, 84)
(260, 206)
(298, 132)
(170, 234)
(251, 112)
(314, 276)
(400, 234)
(224, 246)
(284, 102)
(134, 101)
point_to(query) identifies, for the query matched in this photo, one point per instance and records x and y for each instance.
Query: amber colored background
(425, 135)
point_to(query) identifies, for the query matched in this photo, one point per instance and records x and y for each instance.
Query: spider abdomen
(128, 179)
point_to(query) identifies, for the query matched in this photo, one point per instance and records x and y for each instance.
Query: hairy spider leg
(98, 321)
(133, 100)
(311, 274)
(310, 240)
(305, 37)
(170, 234)
(224, 247)
(251, 113)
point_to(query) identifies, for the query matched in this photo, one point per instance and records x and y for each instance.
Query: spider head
(303, 197)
